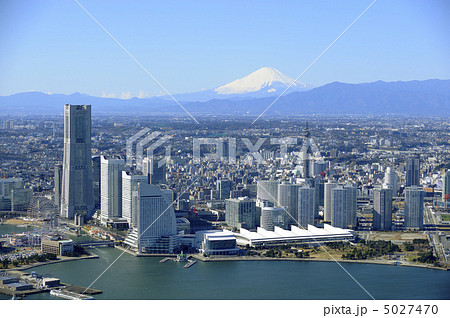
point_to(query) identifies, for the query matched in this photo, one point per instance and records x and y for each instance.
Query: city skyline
(171, 176)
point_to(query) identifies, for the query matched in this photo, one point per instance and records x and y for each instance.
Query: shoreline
(228, 259)
(68, 259)
(260, 258)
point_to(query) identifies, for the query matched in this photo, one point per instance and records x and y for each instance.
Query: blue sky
(54, 46)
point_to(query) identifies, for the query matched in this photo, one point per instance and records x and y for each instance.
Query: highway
(430, 218)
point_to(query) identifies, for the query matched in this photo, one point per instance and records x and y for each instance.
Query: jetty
(65, 294)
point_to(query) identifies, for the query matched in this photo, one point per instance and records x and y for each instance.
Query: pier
(180, 258)
(69, 295)
(190, 263)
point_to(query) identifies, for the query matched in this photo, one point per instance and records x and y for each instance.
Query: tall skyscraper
(391, 180)
(412, 171)
(352, 200)
(414, 208)
(446, 187)
(305, 210)
(130, 184)
(288, 198)
(382, 209)
(96, 164)
(57, 181)
(328, 187)
(224, 187)
(339, 207)
(155, 231)
(240, 213)
(77, 186)
(111, 188)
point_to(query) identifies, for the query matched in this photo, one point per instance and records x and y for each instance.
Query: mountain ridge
(428, 97)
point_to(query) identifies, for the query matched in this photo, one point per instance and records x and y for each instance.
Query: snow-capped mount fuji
(264, 80)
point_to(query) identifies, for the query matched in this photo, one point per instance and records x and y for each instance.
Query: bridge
(107, 243)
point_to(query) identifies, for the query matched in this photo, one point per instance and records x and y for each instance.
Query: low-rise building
(57, 247)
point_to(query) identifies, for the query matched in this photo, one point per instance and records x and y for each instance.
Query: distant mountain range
(254, 93)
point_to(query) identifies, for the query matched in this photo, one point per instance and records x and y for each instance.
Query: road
(430, 218)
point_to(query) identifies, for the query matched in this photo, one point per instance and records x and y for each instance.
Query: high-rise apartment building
(328, 187)
(267, 190)
(288, 198)
(446, 186)
(339, 207)
(414, 197)
(352, 201)
(111, 188)
(240, 213)
(130, 184)
(77, 185)
(305, 210)
(391, 180)
(412, 171)
(96, 177)
(382, 209)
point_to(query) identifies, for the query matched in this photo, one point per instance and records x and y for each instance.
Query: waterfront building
(20, 199)
(130, 184)
(155, 231)
(278, 237)
(328, 187)
(57, 247)
(7, 185)
(305, 210)
(412, 171)
(382, 209)
(240, 213)
(339, 207)
(111, 188)
(96, 177)
(216, 242)
(414, 197)
(77, 195)
(288, 198)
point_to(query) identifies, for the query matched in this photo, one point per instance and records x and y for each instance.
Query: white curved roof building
(296, 235)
